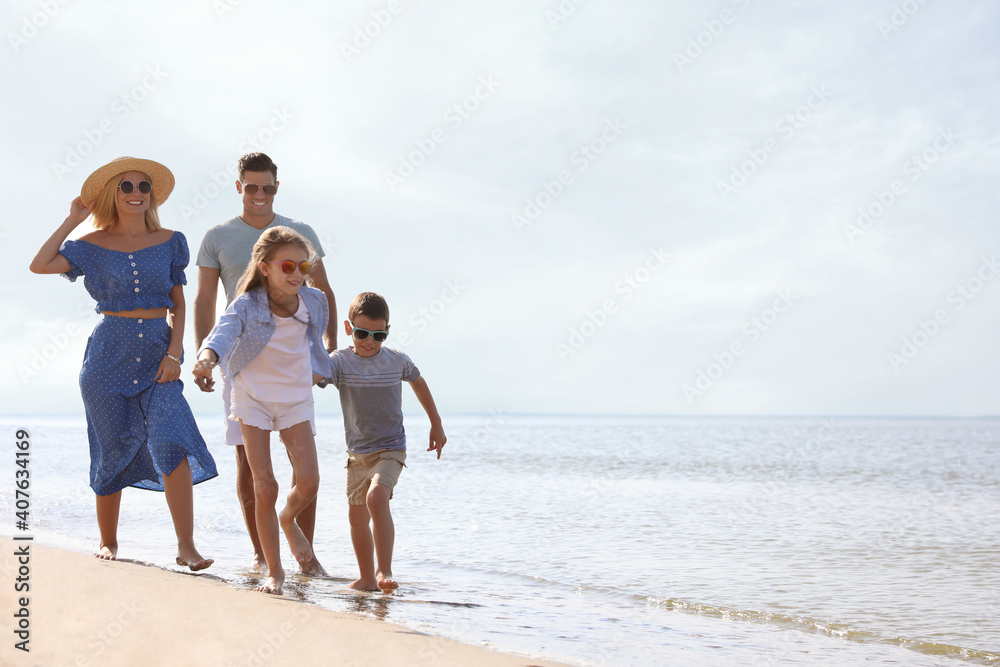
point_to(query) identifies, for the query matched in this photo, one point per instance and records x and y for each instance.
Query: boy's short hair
(370, 305)
(257, 162)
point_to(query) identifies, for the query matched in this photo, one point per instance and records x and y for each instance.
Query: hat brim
(160, 177)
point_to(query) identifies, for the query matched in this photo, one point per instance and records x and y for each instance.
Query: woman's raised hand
(78, 212)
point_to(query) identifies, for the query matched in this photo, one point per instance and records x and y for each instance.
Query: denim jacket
(246, 327)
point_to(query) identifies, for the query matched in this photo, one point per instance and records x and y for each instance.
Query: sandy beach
(84, 612)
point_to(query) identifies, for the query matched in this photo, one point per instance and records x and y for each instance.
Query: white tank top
(282, 372)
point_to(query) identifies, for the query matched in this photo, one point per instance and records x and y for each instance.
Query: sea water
(625, 540)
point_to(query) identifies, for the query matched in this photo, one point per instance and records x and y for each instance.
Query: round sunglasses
(145, 187)
(252, 188)
(361, 334)
(288, 266)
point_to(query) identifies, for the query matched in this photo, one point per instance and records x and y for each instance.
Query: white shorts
(233, 436)
(269, 416)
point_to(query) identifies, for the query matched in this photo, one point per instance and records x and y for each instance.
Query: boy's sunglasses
(288, 266)
(251, 188)
(361, 334)
(145, 187)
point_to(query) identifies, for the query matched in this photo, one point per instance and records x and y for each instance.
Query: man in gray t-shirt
(224, 254)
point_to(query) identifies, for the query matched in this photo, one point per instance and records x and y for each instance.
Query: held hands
(437, 439)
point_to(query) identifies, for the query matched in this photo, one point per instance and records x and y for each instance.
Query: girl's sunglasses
(361, 334)
(252, 188)
(288, 266)
(145, 187)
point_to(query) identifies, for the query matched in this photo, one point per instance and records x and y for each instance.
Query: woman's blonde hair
(269, 243)
(106, 212)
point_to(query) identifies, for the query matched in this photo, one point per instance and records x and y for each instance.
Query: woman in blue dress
(140, 427)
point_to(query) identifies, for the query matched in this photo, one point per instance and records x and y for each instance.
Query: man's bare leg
(306, 521)
(245, 494)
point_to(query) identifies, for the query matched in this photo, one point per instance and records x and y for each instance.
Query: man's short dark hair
(257, 162)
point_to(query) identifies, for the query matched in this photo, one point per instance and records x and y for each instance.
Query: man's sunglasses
(288, 266)
(361, 334)
(251, 188)
(145, 187)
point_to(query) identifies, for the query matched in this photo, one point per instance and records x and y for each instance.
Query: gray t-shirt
(371, 397)
(228, 247)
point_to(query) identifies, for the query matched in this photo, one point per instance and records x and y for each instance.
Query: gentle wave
(828, 628)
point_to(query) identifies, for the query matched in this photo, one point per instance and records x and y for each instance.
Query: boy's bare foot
(386, 582)
(272, 585)
(297, 540)
(364, 585)
(107, 552)
(313, 568)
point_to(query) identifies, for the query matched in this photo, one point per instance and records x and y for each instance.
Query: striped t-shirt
(371, 397)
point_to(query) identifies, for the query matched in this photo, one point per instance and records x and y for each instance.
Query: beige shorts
(363, 470)
(271, 416)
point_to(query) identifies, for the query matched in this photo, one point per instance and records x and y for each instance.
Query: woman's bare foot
(190, 558)
(386, 582)
(272, 585)
(107, 552)
(364, 585)
(195, 565)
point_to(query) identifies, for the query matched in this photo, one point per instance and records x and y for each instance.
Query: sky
(582, 207)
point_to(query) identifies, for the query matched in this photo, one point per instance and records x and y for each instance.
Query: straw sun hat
(159, 176)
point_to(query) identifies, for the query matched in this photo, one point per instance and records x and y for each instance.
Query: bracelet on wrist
(170, 356)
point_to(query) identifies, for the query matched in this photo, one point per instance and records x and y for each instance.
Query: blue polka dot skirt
(139, 429)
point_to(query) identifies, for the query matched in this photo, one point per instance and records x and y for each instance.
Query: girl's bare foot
(313, 568)
(386, 582)
(272, 585)
(297, 540)
(107, 552)
(364, 585)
